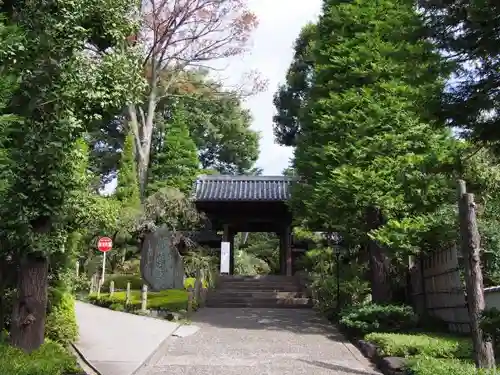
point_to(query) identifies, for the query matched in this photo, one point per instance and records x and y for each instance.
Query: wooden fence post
(197, 285)
(144, 298)
(127, 297)
(190, 302)
(92, 284)
(99, 285)
(470, 247)
(111, 288)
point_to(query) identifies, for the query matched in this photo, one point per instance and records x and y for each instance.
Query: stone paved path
(252, 341)
(117, 343)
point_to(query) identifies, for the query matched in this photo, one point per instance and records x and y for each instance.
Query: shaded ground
(117, 343)
(251, 341)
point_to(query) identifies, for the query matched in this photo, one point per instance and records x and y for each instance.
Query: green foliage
(472, 99)
(490, 324)
(406, 345)
(121, 281)
(61, 325)
(171, 300)
(291, 98)
(50, 359)
(365, 137)
(320, 266)
(361, 320)
(174, 157)
(256, 253)
(246, 263)
(206, 263)
(217, 122)
(422, 365)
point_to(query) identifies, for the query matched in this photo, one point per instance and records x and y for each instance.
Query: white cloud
(280, 22)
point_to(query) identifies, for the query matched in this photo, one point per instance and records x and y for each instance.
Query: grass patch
(171, 300)
(136, 282)
(423, 365)
(50, 359)
(430, 345)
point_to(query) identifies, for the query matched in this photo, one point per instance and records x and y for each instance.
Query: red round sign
(104, 244)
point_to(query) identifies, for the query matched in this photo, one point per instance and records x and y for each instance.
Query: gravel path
(251, 341)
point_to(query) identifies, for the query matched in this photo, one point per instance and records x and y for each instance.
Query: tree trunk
(470, 246)
(29, 310)
(379, 262)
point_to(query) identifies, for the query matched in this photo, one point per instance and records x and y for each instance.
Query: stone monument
(162, 265)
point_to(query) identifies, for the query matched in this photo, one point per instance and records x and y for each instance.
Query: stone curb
(82, 361)
(387, 365)
(155, 356)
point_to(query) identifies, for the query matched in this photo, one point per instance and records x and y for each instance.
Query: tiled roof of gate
(242, 188)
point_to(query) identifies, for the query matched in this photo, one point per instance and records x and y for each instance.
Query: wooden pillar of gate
(286, 264)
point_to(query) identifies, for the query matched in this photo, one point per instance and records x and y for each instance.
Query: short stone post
(92, 284)
(127, 297)
(190, 302)
(197, 285)
(99, 286)
(144, 298)
(111, 288)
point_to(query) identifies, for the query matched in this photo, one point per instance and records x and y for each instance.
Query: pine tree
(174, 161)
(367, 152)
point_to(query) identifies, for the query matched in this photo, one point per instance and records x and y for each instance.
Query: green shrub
(190, 281)
(423, 365)
(61, 325)
(50, 359)
(117, 307)
(171, 300)
(121, 282)
(405, 345)
(364, 319)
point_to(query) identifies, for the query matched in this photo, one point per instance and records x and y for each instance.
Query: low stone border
(388, 365)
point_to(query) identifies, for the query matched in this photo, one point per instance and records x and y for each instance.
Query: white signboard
(225, 250)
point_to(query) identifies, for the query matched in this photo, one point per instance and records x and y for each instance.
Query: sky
(280, 22)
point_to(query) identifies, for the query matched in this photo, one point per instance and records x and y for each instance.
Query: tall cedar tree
(174, 160)
(291, 98)
(365, 153)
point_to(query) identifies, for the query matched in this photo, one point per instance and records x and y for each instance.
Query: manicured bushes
(424, 365)
(406, 345)
(368, 318)
(50, 359)
(171, 300)
(121, 282)
(136, 282)
(61, 325)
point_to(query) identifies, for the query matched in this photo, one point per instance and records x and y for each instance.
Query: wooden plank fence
(437, 289)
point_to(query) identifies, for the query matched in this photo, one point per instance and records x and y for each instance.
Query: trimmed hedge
(50, 359)
(171, 300)
(436, 346)
(361, 320)
(423, 365)
(61, 325)
(136, 282)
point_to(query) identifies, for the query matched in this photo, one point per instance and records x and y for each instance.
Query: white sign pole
(103, 267)
(225, 253)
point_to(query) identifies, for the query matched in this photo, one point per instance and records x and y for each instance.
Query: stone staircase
(266, 291)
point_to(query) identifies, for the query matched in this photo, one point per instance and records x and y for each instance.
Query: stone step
(260, 302)
(282, 288)
(232, 293)
(257, 278)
